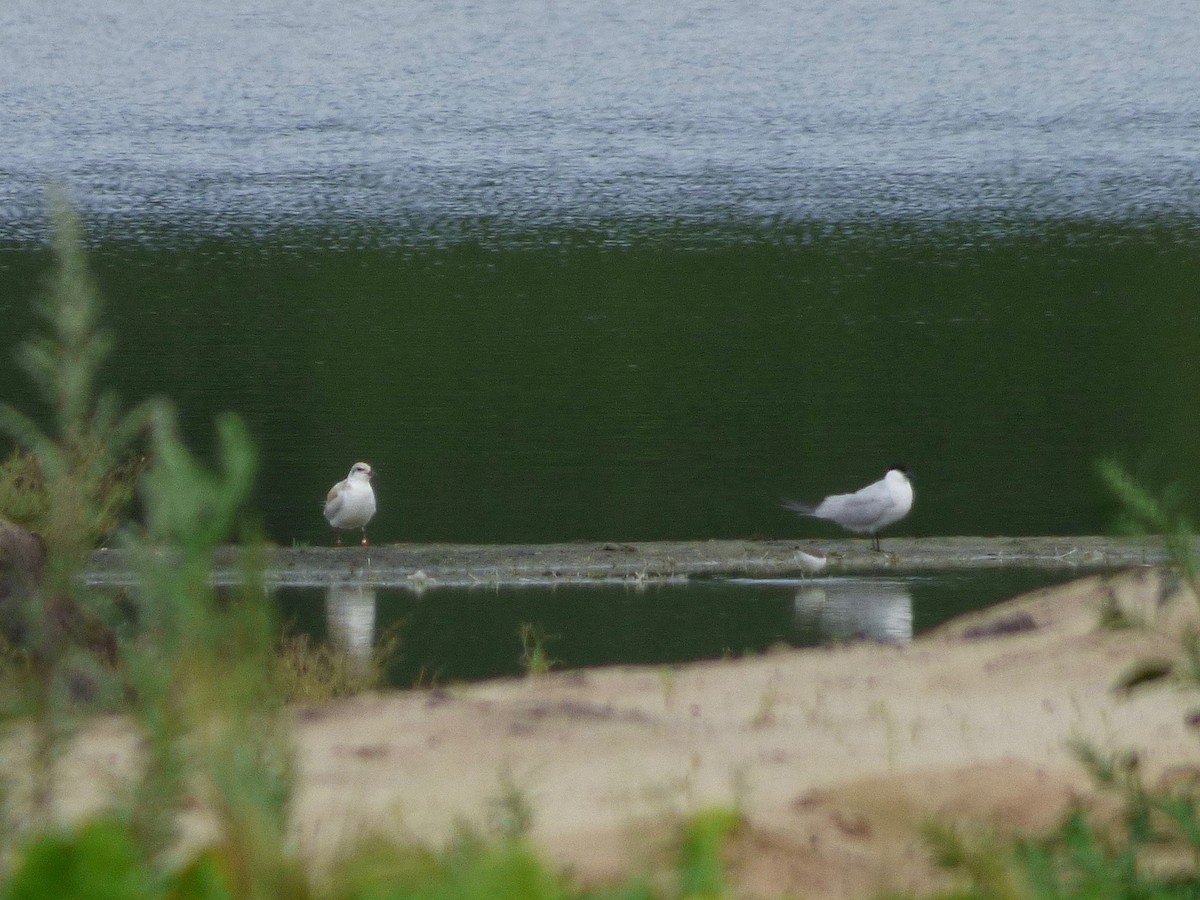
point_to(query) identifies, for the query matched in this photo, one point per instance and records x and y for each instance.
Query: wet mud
(430, 565)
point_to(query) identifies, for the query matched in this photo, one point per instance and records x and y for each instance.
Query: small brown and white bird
(351, 502)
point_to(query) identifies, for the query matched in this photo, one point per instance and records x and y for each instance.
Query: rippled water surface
(440, 115)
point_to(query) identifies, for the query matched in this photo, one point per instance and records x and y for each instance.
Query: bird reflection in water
(350, 618)
(875, 609)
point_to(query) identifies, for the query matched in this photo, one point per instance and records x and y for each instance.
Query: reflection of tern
(868, 510)
(351, 502)
(872, 608)
(350, 614)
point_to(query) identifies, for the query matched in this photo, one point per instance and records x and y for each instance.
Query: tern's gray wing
(860, 510)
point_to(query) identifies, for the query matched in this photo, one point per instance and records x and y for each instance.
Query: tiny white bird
(351, 502)
(866, 511)
(813, 563)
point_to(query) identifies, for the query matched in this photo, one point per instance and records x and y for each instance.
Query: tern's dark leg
(337, 539)
(875, 543)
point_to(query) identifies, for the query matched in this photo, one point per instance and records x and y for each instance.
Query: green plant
(534, 658)
(764, 715)
(197, 664)
(25, 496)
(983, 860)
(100, 860)
(310, 672)
(468, 868)
(1076, 860)
(471, 867)
(95, 862)
(1151, 847)
(23, 490)
(201, 664)
(510, 813)
(701, 869)
(79, 468)
(1143, 513)
(72, 477)
(666, 678)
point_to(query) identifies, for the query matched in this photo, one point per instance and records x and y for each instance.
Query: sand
(834, 756)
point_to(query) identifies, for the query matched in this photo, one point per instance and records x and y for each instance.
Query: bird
(812, 563)
(351, 502)
(867, 510)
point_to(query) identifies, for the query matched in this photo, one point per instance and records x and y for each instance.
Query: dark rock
(1144, 672)
(23, 556)
(1014, 624)
(22, 561)
(22, 567)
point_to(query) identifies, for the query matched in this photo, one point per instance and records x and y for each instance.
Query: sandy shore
(834, 755)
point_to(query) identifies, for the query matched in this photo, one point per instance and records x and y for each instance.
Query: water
(227, 116)
(664, 391)
(453, 634)
(618, 271)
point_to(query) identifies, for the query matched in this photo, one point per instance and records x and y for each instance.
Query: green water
(454, 634)
(566, 386)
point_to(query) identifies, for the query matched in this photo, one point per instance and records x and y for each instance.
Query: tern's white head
(901, 491)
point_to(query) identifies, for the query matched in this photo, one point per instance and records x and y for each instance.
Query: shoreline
(423, 566)
(832, 757)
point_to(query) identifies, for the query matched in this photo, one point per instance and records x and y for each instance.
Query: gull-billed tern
(866, 511)
(351, 502)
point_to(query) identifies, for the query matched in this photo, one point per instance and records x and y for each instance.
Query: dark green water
(451, 635)
(565, 387)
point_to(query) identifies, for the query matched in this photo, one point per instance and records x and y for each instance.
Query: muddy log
(430, 565)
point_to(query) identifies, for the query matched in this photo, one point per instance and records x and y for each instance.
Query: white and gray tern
(351, 502)
(868, 510)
